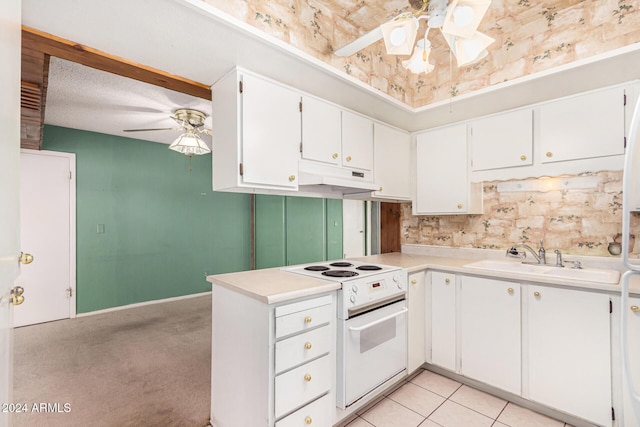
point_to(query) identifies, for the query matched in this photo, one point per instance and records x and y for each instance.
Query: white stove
(363, 284)
(371, 327)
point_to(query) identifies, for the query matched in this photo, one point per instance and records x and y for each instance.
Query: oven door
(374, 348)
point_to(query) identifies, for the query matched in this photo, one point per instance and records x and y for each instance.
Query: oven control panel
(368, 290)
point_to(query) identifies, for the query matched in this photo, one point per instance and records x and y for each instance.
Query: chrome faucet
(558, 258)
(513, 252)
(542, 254)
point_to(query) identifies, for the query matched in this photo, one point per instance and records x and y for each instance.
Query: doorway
(47, 230)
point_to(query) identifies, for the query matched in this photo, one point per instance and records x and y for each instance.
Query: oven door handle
(376, 322)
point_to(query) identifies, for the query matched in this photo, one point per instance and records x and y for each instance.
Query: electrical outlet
(205, 274)
(100, 228)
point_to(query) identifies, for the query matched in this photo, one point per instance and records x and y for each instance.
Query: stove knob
(354, 288)
(353, 299)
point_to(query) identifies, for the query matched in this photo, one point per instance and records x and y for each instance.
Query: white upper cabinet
(392, 159)
(256, 134)
(442, 179)
(585, 126)
(321, 131)
(357, 141)
(502, 141)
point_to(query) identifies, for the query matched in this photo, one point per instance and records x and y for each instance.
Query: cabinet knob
(334, 155)
(459, 205)
(307, 345)
(523, 157)
(414, 281)
(307, 319)
(308, 420)
(510, 290)
(307, 377)
(348, 158)
(380, 189)
(549, 154)
(447, 280)
(635, 308)
(292, 178)
(537, 294)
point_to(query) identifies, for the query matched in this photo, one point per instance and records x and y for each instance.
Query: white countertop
(274, 285)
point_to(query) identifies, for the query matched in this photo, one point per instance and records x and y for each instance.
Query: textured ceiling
(85, 98)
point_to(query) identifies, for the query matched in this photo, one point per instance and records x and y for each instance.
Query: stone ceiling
(530, 36)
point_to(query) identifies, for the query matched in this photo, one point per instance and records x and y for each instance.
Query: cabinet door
(391, 156)
(633, 337)
(502, 141)
(320, 131)
(443, 320)
(441, 171)
(490, 332)
(584, 126)
(271, 133)
(357, 141)
(569, 351)
(416, 305)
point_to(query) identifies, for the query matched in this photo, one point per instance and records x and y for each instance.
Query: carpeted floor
(146, 366)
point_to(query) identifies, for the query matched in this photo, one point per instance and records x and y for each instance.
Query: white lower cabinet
(272, 365)
(317, 413)
(443, 320)
(416, 324)
(633, 311)
(569, 360)
(490, 332)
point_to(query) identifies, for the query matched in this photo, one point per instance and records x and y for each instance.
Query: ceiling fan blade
(360, 43)
(149, 130)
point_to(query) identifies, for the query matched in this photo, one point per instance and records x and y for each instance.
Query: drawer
(301, 385)
(316, 413)
(301, 348)
(303, 320)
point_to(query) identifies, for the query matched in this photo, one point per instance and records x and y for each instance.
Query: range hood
(334, 181)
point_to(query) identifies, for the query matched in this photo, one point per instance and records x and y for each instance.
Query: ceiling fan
(191, 122)
(457, 21)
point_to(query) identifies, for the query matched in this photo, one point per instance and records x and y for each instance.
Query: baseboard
(142, 304)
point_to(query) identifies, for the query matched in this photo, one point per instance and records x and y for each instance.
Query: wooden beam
(51, 45)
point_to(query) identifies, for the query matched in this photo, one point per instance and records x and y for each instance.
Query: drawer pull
(537, 294)
(308, 421)
(447, 280)
(307, 346)
(307, 377)
(307, 319)
(510, 290)
(635, 308)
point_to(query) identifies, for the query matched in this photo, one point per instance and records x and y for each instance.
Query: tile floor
(431, 400)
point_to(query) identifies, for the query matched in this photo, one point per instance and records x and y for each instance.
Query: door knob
(26, 258)
(16, 295)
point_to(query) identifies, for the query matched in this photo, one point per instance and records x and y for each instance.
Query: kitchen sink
(583, 274)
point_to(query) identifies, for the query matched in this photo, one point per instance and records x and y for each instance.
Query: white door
(10, 11)
(353, 227)
(47, 207)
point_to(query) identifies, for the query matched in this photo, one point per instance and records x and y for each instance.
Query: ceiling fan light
(469, 50)
(419, 61)
(400, 35)
(464, 16)
(189, 144)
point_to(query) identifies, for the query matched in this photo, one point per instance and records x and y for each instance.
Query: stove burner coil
(339, 273)
(316, 268)
(369, 268)
(341, 264)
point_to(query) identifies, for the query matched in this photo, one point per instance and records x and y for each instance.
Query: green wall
(296, 230)
(163, 226)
